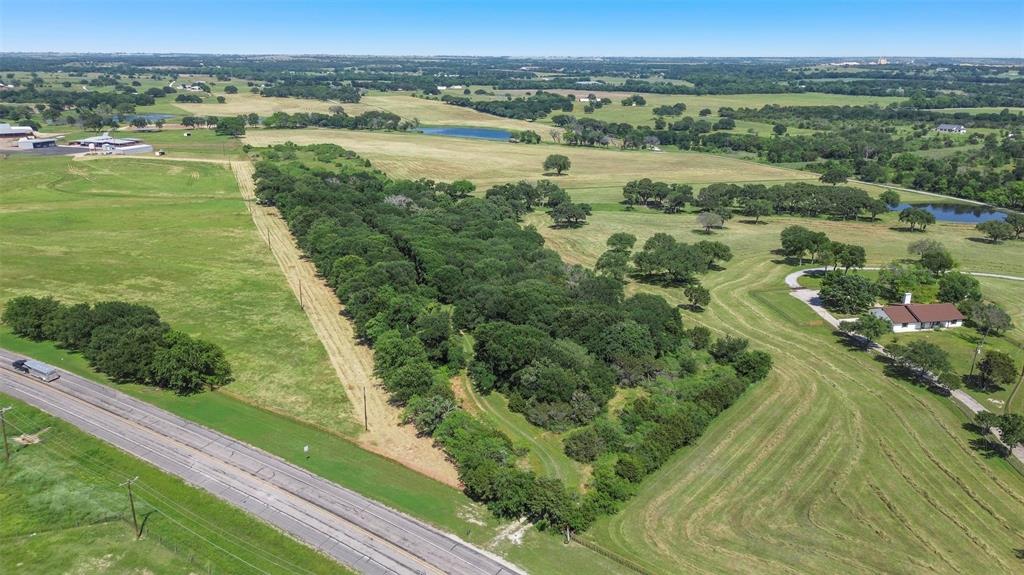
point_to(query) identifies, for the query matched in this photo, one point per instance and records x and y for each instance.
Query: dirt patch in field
(352, 362)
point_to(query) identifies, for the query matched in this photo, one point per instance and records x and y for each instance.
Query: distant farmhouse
(9, 132)
(109, 145)
(919, 317)
(951, 129)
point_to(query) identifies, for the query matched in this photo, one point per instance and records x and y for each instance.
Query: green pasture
(829, 464)
(64, 511)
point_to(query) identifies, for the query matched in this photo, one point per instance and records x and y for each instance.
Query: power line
(53, 446)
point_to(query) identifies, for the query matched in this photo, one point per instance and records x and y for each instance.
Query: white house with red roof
(909, 316)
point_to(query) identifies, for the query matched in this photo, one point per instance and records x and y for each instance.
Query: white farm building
(951, 129)
(906, 316)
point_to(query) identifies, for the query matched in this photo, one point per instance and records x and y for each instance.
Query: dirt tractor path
(352, 362)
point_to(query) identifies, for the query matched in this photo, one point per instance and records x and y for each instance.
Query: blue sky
(980, 28)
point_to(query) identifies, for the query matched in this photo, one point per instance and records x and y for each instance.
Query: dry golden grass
(407, 155)
(436, 113)
(245, 103)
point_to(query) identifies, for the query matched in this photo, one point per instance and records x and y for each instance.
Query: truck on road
(37, 369)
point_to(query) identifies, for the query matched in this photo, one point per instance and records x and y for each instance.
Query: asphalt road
(358, 532)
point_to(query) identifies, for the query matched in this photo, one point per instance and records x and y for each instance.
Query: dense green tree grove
(531, 107)
(128, 342)
(313, 89)
(418, 266)
(371, 120)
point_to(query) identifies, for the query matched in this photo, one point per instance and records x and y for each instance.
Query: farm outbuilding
(951, 129)
(8, 131)
(105, 140)
(36, 143)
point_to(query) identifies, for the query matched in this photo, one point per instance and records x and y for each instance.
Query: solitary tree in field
(996, 230)
(708, 220)
(1016, 220)
(997, 369)
(557, 163)
(917, 217)
(698, 295)
(987, 318)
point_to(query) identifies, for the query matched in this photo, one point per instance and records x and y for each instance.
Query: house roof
(950, 126)
(106, 138)
(9, 129)
(922, 312)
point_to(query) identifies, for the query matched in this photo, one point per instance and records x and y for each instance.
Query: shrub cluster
(372, 120)
(128, 342)
(531, 107)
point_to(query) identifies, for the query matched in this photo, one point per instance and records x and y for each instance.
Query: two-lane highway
(356, 531)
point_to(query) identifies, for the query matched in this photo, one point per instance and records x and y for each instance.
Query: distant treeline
(127, 342)
(312, 88)
(372, 120)
(523, 108)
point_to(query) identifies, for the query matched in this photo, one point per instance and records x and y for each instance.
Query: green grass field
(176, 236)
(64, 512)
(828, 464)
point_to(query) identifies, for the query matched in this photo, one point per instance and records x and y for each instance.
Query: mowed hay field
(828, 465)
(176, 236)
(437, 113)
(485, 163)
(245, 102)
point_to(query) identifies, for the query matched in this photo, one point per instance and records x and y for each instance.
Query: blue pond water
(479, 133)
(962, 213)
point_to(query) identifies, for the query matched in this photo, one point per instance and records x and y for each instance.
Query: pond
(148, 117)
(479, 133)
(960, 213)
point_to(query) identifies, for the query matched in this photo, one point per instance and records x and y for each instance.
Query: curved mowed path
(827, 466)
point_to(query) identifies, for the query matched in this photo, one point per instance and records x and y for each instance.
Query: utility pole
(131, 503)
(3, 429)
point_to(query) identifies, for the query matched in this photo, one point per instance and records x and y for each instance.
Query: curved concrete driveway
(810, 297)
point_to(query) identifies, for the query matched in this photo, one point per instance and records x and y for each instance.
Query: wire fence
(609, 554)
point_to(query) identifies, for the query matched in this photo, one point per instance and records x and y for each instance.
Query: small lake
(478, 133)
(961, 213)
(148, 117)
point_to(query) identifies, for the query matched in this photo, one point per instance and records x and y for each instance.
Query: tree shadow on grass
(853, 342)
(987, 448)
(985, 241)
(906, 229)
(753, 222)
